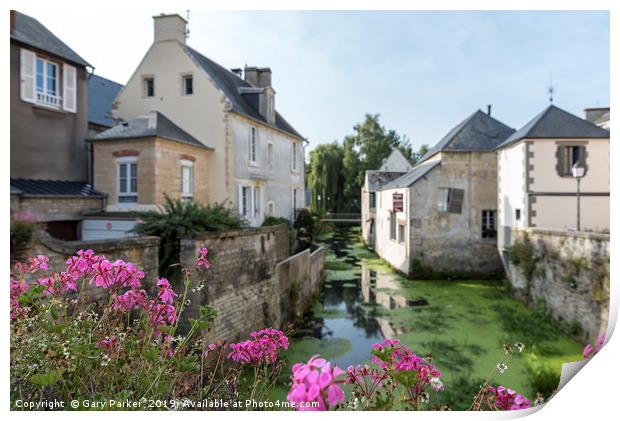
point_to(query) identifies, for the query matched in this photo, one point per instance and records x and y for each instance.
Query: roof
(31, 32)
(554, 122)
(101, 94)
(376, 179)
(154, 125)
(395, 161)
(412, 176)
(27, 187)
(233, 86)
(478, 132)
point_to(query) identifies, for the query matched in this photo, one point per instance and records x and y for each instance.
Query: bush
(178, 219)
(544, 379)
(522, 254)
(21, 235)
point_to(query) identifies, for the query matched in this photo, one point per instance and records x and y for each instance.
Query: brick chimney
(12, 21)
(169, 28)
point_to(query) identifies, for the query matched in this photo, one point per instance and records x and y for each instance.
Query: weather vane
(551, 88)
(187, 30)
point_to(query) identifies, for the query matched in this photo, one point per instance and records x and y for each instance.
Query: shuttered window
(450, 200)
(569, 156)
(69, 102)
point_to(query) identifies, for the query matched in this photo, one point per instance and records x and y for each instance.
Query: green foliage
(325, 177)
(530, 327)
(177, 219)
(458, 395)
(21, 234)
(521, 254)
(544, 379)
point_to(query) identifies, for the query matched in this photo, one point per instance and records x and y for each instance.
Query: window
(392, 226)
(294, 157)
(489, 229)
(401, 233)
(47, 82)
(149, 87)
(518, 214)
(187, 179)
(188, 85)
(270, 154)
(294, 199)
(128, 181)
(253, 150)
(245, 201)
(570, 156)
(372, 200)
(450, 200)
(257, 202)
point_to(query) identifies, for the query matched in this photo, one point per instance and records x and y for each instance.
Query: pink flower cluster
(505, 399)
(202, 260)
(590, 351)
(103, 273)
(316, 382)
(264, 346)
(110, 345)
(18, 285)
(401, 358)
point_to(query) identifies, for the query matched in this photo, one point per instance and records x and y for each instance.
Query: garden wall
(252, 282)
(569, 271)
(141, 251)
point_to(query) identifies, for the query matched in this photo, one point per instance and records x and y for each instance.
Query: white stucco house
(256, 159)
(536, 187)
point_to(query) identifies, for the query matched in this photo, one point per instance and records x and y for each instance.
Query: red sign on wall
(397, 202)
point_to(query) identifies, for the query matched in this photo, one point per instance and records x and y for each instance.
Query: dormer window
(149, 87)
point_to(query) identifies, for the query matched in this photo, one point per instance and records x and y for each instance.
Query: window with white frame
(128, 180)
(188, 85)
(294, 156)
(270, 154)
(257, 202)
(253, 147)
(44, 83)
(149, 86)
(187, 179)
(244, 199)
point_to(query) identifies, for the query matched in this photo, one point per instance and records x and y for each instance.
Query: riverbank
(463, 324)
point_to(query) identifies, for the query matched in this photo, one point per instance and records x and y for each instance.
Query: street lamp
(578, 173)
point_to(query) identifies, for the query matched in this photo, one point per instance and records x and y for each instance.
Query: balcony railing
(49, 100)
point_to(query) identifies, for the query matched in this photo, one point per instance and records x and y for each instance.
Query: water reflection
(351, 308)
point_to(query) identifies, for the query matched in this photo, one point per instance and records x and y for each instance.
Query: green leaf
(150, 354)
(47, 379)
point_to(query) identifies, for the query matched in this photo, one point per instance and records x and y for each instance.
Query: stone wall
(569, 271)
(141, 251)
(252, 282)
(61, 208)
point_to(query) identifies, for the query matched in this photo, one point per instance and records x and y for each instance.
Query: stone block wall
(47, 209)
(569, 271)
(141, 251)
(252, 282)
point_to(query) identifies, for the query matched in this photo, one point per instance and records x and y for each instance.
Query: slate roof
(412, 176)
(554, 122)
(101, 94)
(478, 132)
(47, 188)
(31, 32)
(138, 127)
(376, 179)
(233, 85)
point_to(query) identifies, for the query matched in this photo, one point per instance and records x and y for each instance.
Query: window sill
(45, 107)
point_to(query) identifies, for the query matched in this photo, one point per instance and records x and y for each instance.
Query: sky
(422, 71)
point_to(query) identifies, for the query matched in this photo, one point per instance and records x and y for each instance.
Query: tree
(325, 178)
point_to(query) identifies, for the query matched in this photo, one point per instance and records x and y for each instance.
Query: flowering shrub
(66, 347)
(590, 351)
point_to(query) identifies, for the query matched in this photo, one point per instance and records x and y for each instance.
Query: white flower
(501, 367)
(519, 346)
(424, 397)
(436, 384)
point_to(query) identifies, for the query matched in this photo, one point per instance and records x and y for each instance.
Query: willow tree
(325, 177)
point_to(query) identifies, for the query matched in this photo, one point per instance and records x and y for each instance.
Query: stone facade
(159, 170)
(569, 271)
(438, 240)
(252, 283)
(60, 208)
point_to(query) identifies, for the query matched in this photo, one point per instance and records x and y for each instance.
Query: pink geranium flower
(316, 385)
(165, 294)
(202, 260)
(505, 399)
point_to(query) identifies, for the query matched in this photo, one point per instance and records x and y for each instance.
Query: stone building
(391, 168)
(252, 157)
(536, 187)
(49, 122)
(441, 215)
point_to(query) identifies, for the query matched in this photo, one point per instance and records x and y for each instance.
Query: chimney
(260, 77)
(489, 110)
(12, 21)
(169, 28)
(237, 71)
(593, 114)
